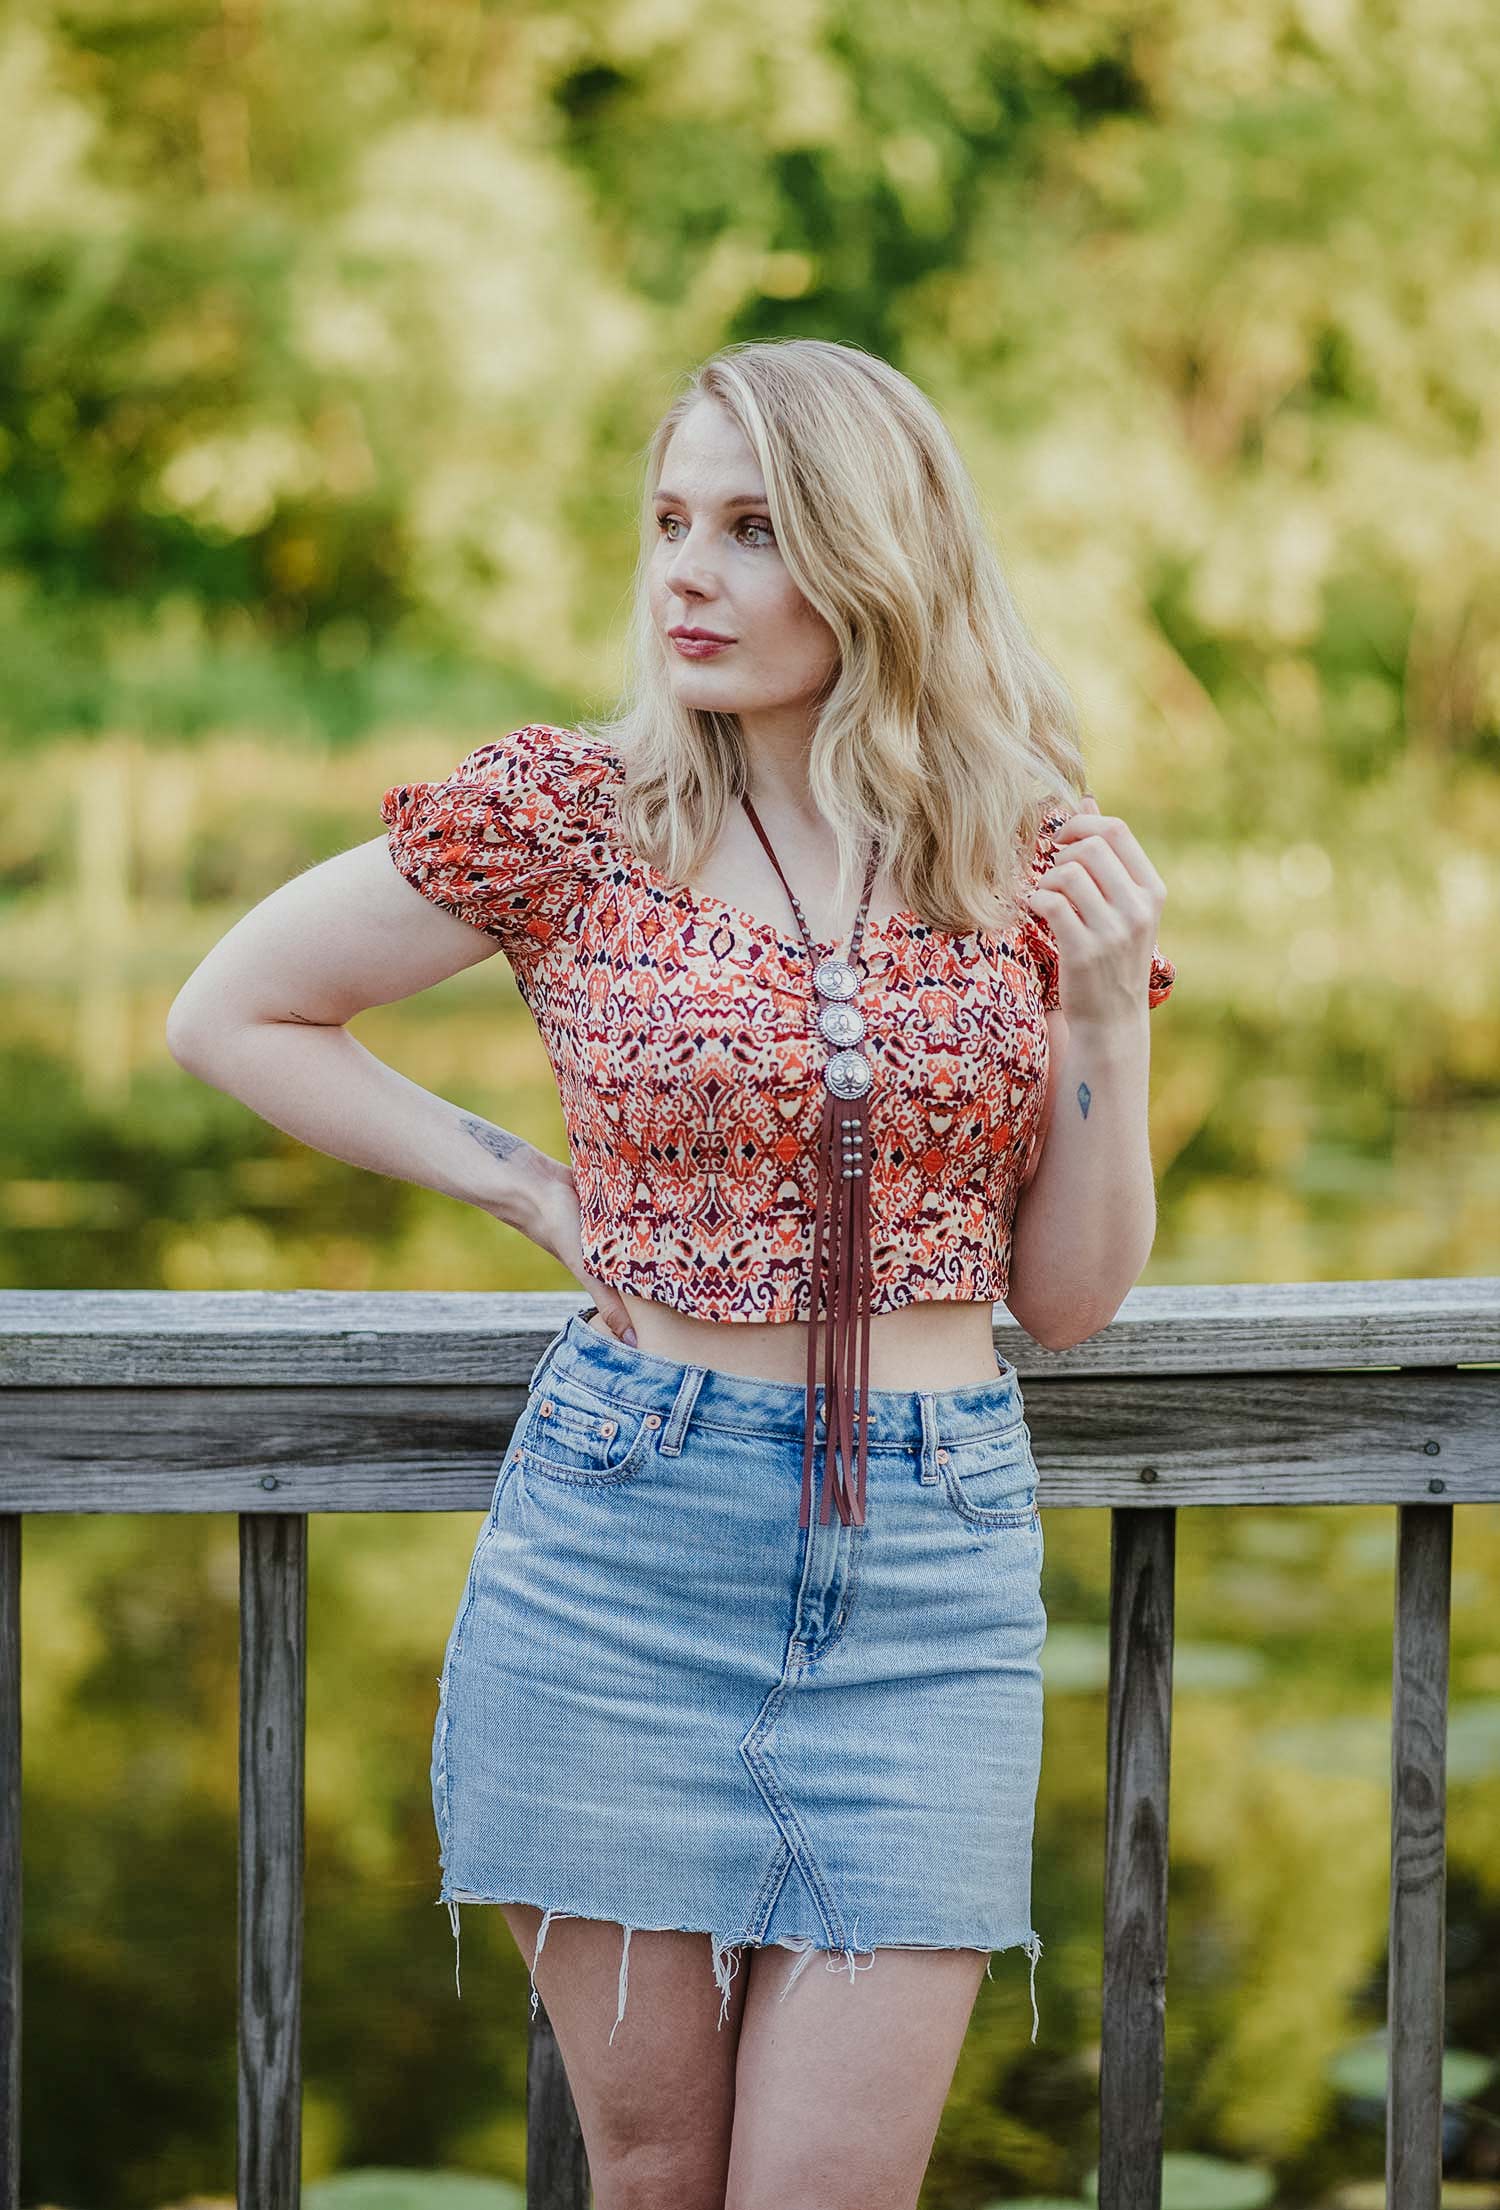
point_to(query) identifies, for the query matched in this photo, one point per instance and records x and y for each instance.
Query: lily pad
(1215, 1665)
(1357, 1745)
(1035, 2202)
(1361, 2069)
(1351, 1746)
(1076, 1658)
(1191, 2182)
(1474, 1738)
(1455, 2194)
(372, 2189)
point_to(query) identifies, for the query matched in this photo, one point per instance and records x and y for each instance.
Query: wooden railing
(281, 1404)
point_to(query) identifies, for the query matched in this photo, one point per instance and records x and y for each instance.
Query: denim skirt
(665, 1704)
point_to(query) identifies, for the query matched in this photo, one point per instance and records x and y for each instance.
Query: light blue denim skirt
(665, 1704)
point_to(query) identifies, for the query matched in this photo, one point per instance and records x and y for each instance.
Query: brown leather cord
(842, 1274)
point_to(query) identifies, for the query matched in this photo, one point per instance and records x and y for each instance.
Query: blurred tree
(329, 338)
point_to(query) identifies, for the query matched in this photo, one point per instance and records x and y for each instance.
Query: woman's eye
(665, 522)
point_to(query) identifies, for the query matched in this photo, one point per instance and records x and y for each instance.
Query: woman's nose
(688, 565)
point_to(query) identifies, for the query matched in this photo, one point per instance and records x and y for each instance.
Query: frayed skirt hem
(723, 1948)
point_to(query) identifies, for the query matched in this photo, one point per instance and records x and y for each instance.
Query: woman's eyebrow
(738, 498)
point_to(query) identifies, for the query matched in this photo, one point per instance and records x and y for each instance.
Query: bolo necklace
(842, 1274)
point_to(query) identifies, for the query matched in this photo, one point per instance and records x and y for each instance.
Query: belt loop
(676, 1428)
(928, 1403)
(546, 1358)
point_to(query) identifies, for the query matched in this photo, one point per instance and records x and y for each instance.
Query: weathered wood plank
(1132, 2067)
(273, 1710)
(10, 1860)
(557, 2170)
(1273, 1438)
(149, 1338)
(1418, 1907)
(51, 1338)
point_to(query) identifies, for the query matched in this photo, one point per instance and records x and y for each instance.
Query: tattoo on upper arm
(1085, 1094)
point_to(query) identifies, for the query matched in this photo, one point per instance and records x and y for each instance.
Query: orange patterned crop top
(682, 1033)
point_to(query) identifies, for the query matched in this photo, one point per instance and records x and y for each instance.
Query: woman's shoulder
(561, 764)
(499, 838)
(540, 775)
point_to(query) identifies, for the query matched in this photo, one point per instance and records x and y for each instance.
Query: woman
(848, 1006)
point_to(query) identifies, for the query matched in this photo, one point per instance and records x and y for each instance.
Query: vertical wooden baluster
(557, 2172)
(273, 1712)
(1418, 1943)
(10, 1860)
(1132, 2058)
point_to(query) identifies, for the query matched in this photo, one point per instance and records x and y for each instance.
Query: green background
(330, 336)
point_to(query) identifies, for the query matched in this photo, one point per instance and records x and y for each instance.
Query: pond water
(1306, 1124)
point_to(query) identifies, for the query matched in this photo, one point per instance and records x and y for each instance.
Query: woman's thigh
(656, 2104)
(840, 2089)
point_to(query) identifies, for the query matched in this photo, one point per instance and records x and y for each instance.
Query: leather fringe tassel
(844, 1285)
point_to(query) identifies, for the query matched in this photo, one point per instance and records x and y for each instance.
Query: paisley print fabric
(682, 1035)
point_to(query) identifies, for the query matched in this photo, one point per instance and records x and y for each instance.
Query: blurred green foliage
(329, 337)
(329, 340)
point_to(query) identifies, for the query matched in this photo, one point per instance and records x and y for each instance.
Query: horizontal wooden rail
(135, 1338)
(317, 1401)
(273, 1405)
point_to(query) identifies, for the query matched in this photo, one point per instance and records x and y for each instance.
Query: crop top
(682, 1034)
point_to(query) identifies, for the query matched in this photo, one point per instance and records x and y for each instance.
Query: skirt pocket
(990, 1480)
(570, 1433)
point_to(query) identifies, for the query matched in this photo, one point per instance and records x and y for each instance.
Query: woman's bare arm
(1086, 1218)
(262, 1018)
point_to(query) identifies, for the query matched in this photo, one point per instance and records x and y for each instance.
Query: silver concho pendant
(835, 978)
(841, 1024)
(848, 1074)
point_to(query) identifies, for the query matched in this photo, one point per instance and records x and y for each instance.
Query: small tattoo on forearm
(499, 1141)
(1084, 1096)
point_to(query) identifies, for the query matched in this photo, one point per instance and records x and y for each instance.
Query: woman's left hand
(1102, 899)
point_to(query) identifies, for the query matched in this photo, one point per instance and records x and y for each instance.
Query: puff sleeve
(1041, 945)
(511, 839)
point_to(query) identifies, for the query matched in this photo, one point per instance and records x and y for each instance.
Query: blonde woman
(846, 987)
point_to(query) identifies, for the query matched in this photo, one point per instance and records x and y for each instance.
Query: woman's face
(716, 566)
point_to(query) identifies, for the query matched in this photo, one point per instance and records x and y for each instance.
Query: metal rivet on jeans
(653, 1419)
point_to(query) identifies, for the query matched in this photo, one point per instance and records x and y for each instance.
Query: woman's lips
(701, 648)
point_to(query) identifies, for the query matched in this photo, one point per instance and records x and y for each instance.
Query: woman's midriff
(931, 1345)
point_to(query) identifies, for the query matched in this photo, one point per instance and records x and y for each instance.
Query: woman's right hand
(559, 1230)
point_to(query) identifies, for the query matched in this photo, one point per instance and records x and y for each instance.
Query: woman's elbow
(188, 1037)
(201, 1020)
(1049, 1337)
(1056, 1322)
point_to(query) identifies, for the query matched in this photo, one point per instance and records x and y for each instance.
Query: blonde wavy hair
(943, 731)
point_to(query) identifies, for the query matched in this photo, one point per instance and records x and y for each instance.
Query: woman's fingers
(566, 1245)
(1101, 898)
(610, 1309)
(1104, 843)
(1075, 878)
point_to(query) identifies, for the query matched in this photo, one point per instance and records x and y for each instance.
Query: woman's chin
(699, 687)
